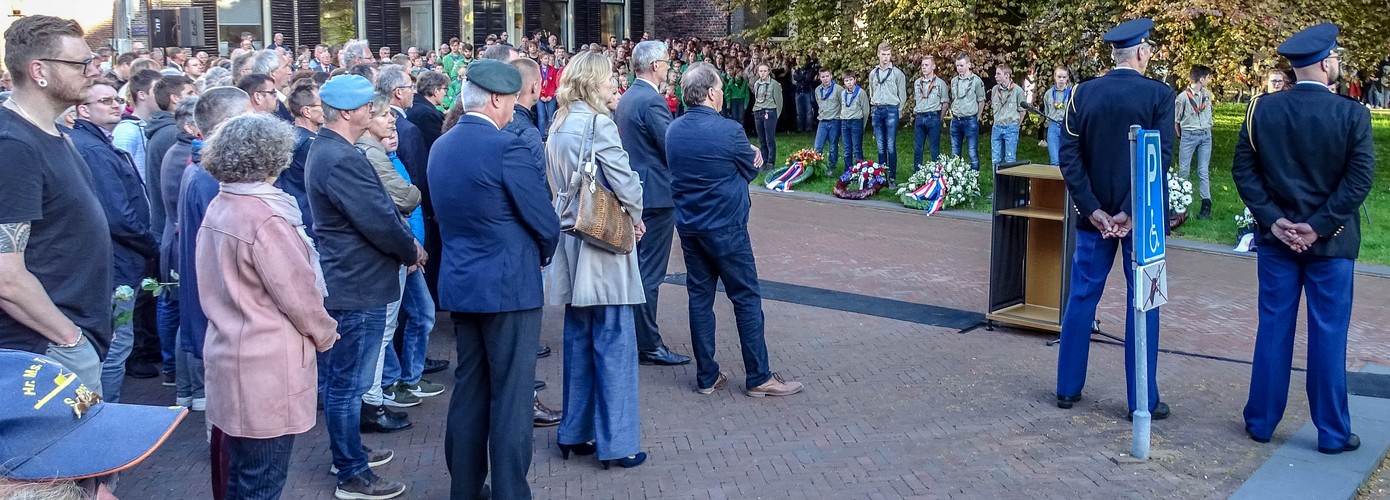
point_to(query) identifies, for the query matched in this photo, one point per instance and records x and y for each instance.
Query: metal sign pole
(1139, 448)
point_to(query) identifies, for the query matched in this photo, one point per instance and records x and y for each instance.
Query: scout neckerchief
(885, 77)
(1193, 102)
(545, 73)
(764, 90)
(850, 102)
(1066, 96)
(968, 87)
(828, 89)
(1007, 92)
(927, 93)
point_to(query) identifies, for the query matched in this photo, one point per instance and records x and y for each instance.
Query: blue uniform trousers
(1090, 266)
(724, 256)
(1327, 282)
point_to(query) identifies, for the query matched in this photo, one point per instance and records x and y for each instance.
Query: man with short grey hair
(642, 119)
(501, 52)
(272, 64)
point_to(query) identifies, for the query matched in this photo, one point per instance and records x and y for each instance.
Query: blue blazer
(495, 219)
(122, 195)
(712, 164)
(643, 117)
(1094, 153)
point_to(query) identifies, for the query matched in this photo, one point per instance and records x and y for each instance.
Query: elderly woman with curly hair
(262, 290)
(598, 288)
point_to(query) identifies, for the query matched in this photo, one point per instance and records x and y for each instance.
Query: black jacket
(362, 239)
(523, 126)
(1306, 154)
(122, 195)
(160, 134)
(428, 119)
(291, 181)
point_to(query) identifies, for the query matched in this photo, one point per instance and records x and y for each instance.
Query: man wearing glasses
(261, 88)
(1095, 159)
(51, 210)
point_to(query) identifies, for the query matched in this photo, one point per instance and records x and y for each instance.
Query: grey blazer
(582, 275)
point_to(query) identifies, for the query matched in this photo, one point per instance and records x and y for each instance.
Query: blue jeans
(1327, 282)
(1196, 141)
(852, 133)
(805, 111)
(122, 340)
(765, 124)
(885, 123)
(1054, 142)
(167, 323)
(966, 129)
(349, 371)
(1003, 143)
(828, 134)
(601, 397)
(926, 126)
(738, 111)
(545, 112)
(419, 311)
(388, 350)
(725, 256)
(1090, 266)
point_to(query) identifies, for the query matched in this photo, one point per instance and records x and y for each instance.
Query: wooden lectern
(1030, 257)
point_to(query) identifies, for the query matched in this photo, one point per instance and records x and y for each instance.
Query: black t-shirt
(43, 181)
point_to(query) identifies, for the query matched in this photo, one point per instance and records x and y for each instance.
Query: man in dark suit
(643, 117)
(499, 230)
(1095, 160)
(1304, 181)
(711, 165)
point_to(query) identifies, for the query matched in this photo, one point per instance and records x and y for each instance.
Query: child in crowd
(1194, 123)
(1006, 101)
(736, 91)
(967, 97)
(767, 107)
(828, 99)
(854, 111)
(671, 101)
(1055, 108)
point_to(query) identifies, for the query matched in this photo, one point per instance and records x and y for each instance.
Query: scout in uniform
(767, 106)
(1304, 163)
(854, 110)
(967, 96)
(1194, 122)
(929, 99)
(828, 98)
(887, 94)
(1006, 101)
(1054, 104)
(1095, 160)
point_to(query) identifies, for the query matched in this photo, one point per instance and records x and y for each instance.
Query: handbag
(591, 212)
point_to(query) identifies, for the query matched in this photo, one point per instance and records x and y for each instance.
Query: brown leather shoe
(776, 386)
(544, 416)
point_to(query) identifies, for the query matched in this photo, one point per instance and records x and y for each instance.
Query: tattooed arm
(22, 296)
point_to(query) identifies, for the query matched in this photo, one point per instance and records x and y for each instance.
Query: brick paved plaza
(892, 409)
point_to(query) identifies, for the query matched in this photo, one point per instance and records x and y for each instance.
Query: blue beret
(1310, 46)
(494, 76)
(346, 92)
(1129, 33)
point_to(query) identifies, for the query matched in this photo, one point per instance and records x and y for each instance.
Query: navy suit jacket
(711, 166)
(495, 219)
(1306, 154)
(643, 117)
(1094, 154)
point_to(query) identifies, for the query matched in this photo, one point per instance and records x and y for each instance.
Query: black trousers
(489, 425)
(653, 257)
(258, 467)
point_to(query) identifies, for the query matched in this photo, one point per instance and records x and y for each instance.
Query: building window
(338, 23)
(555, 19)
(612, 21)
(236, 17)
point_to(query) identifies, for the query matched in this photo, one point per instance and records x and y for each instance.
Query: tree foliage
(1236, 38)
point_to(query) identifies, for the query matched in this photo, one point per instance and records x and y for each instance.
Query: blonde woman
(598, 288)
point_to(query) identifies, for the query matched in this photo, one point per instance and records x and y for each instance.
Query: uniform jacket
(266, 320)
(1094, 153)
(122, 195)
(711, 166)
(362, 239)
(495, 219)
(642, 120)
(1306, 154)
(580, 274)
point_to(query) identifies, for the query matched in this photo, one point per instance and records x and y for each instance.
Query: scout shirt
(854, 105)
(767, 95)
(1005, 103)
(830, 99)
(967, 92)
(929, 94)
(1055, 103)
(1194, 109)
(887, 87)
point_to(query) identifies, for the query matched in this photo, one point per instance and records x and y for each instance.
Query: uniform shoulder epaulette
(1349, 98)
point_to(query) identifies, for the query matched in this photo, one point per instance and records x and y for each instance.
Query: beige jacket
(404, 194)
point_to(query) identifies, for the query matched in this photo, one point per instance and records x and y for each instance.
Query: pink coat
(266, 320)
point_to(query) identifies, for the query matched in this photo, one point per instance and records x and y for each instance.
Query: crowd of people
(289, 228)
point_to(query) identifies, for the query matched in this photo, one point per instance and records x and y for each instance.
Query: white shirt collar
(1117, 68)
(485, 117)
(649, 82)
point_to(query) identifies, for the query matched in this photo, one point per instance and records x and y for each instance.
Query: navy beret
(494, 76)
(1310, 46)
(1129, 33)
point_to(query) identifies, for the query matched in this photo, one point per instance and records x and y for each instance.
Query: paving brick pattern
(891, 409)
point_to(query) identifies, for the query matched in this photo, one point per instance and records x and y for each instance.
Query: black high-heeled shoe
(581, 449)
(627, 462)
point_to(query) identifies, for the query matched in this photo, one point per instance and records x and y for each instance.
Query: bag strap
(589, 167)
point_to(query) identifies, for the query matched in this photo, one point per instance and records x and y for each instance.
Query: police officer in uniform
(1095, 161)
(1304, 181)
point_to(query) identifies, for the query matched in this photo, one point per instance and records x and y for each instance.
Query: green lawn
(1221, 228)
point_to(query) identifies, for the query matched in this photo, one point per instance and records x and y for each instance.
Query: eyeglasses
(84, 64)
(107, 101)
(267, 92)
(407, 87)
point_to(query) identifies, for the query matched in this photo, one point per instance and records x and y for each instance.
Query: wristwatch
(78, 342)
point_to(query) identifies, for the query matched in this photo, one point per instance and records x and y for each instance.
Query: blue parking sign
(1150, 209)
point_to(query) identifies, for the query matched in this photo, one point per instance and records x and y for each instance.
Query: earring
(42, 83)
